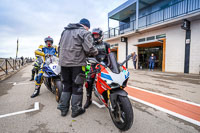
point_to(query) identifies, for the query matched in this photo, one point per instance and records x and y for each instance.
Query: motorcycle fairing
(119, 78)
(55, 68)
(48, 71)
(126, 72)
(101, 84)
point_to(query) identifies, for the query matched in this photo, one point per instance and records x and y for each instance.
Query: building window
(113, 45)
(125, 24)
(150, 38)
(141, 40)
(161, 36)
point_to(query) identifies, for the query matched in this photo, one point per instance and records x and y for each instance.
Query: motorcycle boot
(32, 78)
(89, 98)
(36, 92)
(64, 104)
(33, 75)
(77, 105)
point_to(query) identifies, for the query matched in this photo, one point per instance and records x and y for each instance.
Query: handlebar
(94, 61)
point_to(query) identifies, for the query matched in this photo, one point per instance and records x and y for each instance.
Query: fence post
(6, 66)
(13, 64)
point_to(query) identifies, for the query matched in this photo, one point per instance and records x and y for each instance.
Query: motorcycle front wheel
(58, 90)
(122, 116)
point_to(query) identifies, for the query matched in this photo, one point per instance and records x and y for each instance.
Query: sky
(31, 21)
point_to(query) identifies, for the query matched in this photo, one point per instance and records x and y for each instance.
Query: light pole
(186, 27)
(125, 39)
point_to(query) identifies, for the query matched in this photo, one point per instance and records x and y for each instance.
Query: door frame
(163, 48)
(164, 52)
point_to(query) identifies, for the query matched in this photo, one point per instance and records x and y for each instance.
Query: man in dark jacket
(152, 59)
(103, 49)
(75, 45)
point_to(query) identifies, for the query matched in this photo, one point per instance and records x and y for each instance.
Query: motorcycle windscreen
(112, 63)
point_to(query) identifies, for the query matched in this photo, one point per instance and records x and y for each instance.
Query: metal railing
(11, 65)
(172, 11)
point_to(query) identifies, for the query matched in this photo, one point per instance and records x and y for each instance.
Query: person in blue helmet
(43, 50)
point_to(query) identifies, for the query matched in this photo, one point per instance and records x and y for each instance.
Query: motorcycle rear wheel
(122, 116)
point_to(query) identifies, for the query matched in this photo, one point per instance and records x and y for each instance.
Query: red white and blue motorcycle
(110, 81)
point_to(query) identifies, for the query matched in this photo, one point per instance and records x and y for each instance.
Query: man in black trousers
(75, 45)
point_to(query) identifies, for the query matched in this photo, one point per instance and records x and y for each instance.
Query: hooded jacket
(75, 45)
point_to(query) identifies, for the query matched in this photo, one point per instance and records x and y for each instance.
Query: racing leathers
(103, 49)
(43, 51)
(36, 67)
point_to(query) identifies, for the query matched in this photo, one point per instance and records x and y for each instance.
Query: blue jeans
(151, 65)
(134, 64)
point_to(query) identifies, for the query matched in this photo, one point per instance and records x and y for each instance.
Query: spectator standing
(134, 57)
(152, 59)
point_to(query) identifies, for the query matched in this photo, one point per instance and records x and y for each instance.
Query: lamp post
(186, 27)
(125, 39)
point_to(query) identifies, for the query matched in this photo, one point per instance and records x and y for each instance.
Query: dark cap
(85, 22)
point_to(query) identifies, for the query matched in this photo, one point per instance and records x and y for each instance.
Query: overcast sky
(33, 20)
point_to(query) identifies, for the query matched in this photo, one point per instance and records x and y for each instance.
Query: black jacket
(103, 49)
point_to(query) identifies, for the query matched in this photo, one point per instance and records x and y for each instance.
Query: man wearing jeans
(152, 59)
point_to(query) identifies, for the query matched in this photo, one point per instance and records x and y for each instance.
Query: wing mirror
(92, 60)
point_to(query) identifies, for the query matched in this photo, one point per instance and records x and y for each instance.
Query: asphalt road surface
(15, 96)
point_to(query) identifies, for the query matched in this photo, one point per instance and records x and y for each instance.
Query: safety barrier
(11, 64)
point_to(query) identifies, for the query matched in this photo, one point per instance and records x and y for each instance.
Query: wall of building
(195, 47)
(175, 47)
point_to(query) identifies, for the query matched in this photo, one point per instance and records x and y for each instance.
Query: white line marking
(165, 96)
(98, 105)
(167, 111)
(22, 83)
(36, 107)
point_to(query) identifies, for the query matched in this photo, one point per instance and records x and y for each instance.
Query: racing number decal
(54, 67)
